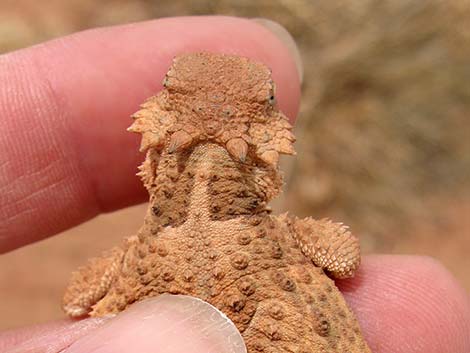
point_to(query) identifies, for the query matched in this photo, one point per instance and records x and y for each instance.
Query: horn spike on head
(271, 157)
(237, 148)
(179, 140)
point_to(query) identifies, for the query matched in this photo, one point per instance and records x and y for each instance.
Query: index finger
(65, 155)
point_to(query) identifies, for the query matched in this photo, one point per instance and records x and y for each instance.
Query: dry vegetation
(384, 130)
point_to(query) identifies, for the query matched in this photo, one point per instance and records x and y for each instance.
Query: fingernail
(285, 37)
(168, 323)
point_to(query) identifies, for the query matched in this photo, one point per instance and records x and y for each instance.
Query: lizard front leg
(91, 283)
(329, 245)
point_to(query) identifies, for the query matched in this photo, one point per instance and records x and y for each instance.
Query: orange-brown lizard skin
(213, 137)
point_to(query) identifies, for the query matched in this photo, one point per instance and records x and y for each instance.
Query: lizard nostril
(228, 111)
(199, 108)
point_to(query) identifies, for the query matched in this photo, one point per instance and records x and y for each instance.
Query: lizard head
(217, 98)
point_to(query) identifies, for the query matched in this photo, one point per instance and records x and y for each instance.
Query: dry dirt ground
(384, 130)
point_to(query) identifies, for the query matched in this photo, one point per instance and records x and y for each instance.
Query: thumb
(167, 324)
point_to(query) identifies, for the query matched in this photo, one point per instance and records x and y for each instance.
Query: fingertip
(409, 304)
(287, 40)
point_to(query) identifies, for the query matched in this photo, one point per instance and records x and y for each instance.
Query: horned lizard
(212, 139)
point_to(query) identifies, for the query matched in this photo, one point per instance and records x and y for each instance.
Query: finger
(171, 324)
(409, 304)
(47, 338)
(64, 153)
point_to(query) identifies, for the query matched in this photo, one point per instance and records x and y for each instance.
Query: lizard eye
(272, 99)
(165, 82)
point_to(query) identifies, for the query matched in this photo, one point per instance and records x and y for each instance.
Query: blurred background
(383, 133)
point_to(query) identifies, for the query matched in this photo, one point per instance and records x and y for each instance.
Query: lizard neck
(205, 183)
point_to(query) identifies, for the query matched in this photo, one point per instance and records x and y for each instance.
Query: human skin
(64, 108)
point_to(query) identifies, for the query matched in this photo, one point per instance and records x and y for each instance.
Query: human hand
(65, 107)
